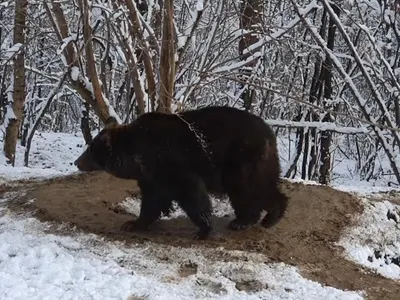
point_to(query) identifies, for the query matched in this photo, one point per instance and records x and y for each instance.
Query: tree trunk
(3, 96)
(250, 20)
(91, 61)
(85, 127)
(145, 56)
(326, 136)
(167, 59)
(310, 148)
(17, 106)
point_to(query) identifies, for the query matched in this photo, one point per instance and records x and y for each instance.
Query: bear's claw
(200, 236)
(239, 225)
(134, 225)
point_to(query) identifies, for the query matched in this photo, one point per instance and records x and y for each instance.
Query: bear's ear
(111, 122)
(106, 139)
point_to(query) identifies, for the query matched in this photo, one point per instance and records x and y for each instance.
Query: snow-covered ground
(35, 265)
(52, 154)
(39, 265)
(375, 241)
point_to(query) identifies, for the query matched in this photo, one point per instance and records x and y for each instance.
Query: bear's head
(98, 153)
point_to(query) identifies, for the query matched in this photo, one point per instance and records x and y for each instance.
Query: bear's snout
(76, 163)
(85, 163)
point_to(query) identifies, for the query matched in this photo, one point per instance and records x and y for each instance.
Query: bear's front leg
(194, 200)
(152, 205)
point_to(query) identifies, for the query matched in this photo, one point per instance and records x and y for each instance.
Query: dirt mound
(305, 237)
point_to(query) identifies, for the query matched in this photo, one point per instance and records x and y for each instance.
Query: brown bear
(187, 156)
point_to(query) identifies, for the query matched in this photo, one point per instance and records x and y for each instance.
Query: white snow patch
(12, 50)
(221, 208)
(361, 188)
(375, 241)
(181, 42)
(199, 5)
(10, 115)
(75, 73)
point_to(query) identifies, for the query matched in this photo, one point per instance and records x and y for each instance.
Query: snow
(199, 5)
(121, 54)
(320, 125)
(51, 154)
(221, 208)
(39, 265)
(12, 50)
(66, 41)
(237, 65)
(8, 116)
(75, 73)
(375, 241)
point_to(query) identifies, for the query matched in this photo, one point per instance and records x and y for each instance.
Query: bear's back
(202, 139)
(226, 127)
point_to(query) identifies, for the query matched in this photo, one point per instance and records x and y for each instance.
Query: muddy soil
(305, 237)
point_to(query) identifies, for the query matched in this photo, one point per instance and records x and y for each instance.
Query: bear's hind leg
(247, 211)
(194, 200)
(153, 204)
(275, 206)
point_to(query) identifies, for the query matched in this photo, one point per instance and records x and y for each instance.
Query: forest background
(324, 74)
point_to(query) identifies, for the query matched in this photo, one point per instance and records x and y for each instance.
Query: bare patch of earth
(304, 238)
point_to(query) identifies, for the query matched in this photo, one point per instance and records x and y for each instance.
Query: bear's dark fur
(184, 157)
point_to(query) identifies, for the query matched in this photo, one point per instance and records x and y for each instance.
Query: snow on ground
(375, 241)
(52, 154)
(221, 208)
(39, 265)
